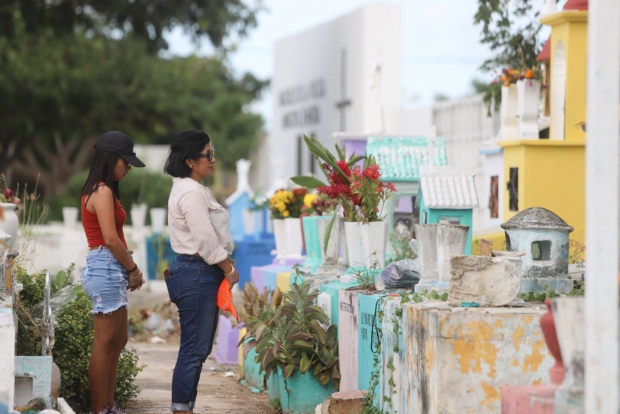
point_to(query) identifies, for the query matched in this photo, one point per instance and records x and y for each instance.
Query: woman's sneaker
(116, 410)
(104, 411)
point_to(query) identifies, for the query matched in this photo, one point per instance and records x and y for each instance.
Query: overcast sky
(440, 48)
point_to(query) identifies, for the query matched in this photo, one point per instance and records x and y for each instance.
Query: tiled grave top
(400, 158)
(448, 187)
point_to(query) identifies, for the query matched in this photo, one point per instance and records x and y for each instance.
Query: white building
(335, 77)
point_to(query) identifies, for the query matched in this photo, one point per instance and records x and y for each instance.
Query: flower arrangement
(357, 190)
(368, 193)
(510, 76)
(8, 196)
(287, 203)
(317, 205)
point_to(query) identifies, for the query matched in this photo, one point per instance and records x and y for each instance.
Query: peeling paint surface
(348, 339)
(459, 359)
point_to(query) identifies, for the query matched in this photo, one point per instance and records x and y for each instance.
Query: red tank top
(94, 236)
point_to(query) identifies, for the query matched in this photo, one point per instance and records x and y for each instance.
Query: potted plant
(285, 207)
(361, 194)
(9, 222)
(295, 344)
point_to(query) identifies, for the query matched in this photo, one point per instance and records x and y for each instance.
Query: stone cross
(243, 175)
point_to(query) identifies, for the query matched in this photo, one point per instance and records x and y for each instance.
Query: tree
(59, 92)
(511, 29)
(147, 20)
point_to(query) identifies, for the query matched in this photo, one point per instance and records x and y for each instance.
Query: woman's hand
(136, 280)
(232, 279)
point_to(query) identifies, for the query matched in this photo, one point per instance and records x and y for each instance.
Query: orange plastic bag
(225, 300)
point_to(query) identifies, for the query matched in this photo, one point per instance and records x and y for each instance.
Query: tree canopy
(60, 90)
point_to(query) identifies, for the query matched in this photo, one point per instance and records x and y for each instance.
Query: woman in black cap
(109, 269)
(200, 236)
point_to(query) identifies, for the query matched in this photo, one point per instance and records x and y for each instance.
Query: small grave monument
(543, 237)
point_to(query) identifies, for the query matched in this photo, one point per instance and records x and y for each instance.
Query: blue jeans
(193, 285)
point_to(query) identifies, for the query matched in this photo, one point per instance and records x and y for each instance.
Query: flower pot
(138, 216)
(355, 248)
(293, 236)
(426, 235)
(273, 385)
(366, 243)
(158, 219)
(301, 393)
(312, 243)
(9, 223)
(508, 113)
(279, 233)
(374, 240)
(451, 240)
(528, 100)
(70, 217)
(547, 325)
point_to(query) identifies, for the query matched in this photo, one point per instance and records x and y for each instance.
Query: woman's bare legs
(103, 362)
(116, 355)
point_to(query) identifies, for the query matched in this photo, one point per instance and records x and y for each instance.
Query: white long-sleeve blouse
(197, 222)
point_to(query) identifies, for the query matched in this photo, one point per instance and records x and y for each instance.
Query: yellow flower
(285, 213)
(309, 199)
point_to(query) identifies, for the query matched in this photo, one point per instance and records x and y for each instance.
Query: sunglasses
(208, 155)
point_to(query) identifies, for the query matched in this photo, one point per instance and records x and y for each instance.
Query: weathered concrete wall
(394, 370)
(458, 359)
(7, 356)
(366, 349)
(347, 339)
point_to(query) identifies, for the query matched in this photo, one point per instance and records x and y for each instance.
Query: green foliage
(366, 276)
(294, 338)
(74, 341)
(540, 296)
(400, 244)
(59, 93)
(217, 21)
(511, 29)
(74, 338)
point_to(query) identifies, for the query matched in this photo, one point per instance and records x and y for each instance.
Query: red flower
(344, 167)
(372, 172)
(300, 192)
(8, 193)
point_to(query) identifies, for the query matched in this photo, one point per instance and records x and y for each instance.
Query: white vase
(508, 112)
(374, 240)
(528, 101)
(138, 216)
(279, 233)
(158, 219)
(9, 223)
(426, 235)
(294, 240)
(355, 247)
(69, 217)
(451, 240)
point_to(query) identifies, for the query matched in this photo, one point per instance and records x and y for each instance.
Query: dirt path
(216, 392)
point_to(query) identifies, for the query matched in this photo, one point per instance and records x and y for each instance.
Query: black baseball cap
(120, 144)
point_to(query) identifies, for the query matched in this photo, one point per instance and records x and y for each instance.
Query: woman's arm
(102, 202)
(194, 207)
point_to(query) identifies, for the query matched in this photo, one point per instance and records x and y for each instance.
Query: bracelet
(134, 268)
(232, 272)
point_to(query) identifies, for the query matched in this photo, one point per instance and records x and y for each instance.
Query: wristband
(232, 272)
(134, 268)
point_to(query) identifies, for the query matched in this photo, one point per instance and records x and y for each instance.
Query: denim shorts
(105, 281)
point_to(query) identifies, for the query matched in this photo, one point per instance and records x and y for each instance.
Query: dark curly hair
(185, 145)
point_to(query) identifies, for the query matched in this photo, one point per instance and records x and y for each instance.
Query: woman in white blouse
(200, 236)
